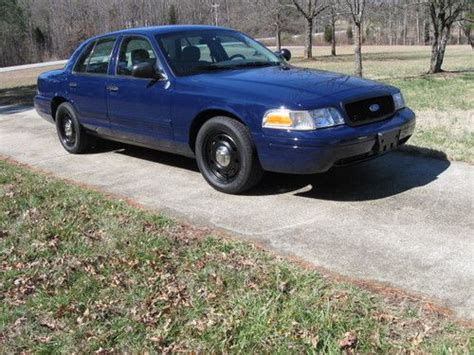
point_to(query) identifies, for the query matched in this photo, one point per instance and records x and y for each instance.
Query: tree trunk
(467, 33)
(357, 49)
(308, 50)
(390, 30)
(278, 38)
(418, 40)
(438, 49)
(333, 39)
(405, 25)
(278, 30)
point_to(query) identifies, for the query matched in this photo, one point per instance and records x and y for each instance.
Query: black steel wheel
(222, 156)
(226, 155)
(73, 137)
(67, 131)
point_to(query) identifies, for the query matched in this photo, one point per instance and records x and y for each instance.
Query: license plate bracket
(387, 141)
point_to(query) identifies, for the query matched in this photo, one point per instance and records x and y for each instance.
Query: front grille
(369, 110)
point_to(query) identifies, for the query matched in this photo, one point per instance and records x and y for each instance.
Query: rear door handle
(73, 85)
(112, 88)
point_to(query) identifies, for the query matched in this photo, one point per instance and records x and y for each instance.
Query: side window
(81, 64)
(199, 43)
(134, 50)
(95, 59)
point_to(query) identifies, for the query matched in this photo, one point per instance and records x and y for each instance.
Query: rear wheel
(226, 155)
(73, 137)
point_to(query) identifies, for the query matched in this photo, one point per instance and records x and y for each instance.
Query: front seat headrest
(139, 56)
(191, 54)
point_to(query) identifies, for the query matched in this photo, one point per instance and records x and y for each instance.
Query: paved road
(30, 66)
(401, 219)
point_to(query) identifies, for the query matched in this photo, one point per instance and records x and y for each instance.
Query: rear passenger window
(96, 58)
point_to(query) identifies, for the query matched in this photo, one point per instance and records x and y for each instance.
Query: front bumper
(318, 151)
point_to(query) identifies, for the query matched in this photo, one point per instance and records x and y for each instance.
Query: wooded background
(38, 30)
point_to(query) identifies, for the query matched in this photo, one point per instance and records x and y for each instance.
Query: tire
(226, 156)
(73, 137)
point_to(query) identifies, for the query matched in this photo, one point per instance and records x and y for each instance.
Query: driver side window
(134, 50)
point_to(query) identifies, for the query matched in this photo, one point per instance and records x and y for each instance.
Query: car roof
(161, 29)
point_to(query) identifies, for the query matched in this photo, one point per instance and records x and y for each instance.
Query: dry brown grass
(24, 77)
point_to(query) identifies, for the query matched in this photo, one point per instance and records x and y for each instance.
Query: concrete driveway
(401, 219)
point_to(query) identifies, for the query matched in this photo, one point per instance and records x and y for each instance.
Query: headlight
(302, 120)
(398, 101)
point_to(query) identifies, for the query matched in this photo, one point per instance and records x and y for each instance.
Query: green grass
(406, 67)
(444, 103)
(442, 92)
(82, 272)
(448, 135)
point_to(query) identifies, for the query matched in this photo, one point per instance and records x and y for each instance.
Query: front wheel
(226, 155)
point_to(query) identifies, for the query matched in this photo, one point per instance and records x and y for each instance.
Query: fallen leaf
(19, 321)
(418, 339)
(283, 287)
(349, 341)
(43, 339)
(50, 324)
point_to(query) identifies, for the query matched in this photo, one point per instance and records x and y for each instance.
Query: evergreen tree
(172, 15)
(328, 33)
(350, 35)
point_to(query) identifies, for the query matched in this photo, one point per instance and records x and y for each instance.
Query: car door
(87, 84)
(139, 109)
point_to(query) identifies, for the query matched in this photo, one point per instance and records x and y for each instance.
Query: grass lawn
(19, 86)
(406, 67)
(81, 272)
(444, 103)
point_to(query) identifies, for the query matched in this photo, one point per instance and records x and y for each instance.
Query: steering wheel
(237, 56)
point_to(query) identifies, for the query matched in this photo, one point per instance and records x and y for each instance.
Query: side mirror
(146, 70)
(284, 53)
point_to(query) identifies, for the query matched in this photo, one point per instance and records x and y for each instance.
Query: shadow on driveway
(12, 109)
(386, 176)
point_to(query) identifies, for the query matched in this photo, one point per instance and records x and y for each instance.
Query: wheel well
(202, 118)
(58, 100)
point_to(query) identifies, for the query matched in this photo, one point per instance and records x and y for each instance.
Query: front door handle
(112, 88)
(73, 85)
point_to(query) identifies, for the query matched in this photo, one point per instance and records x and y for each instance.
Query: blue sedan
(219, 96)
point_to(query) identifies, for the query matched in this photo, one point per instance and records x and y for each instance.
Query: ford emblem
(374, 107)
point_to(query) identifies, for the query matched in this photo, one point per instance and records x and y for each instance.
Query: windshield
(194, 52)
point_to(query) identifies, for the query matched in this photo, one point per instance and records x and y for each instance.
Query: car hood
(291, 87)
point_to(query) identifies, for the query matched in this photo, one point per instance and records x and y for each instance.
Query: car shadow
(151, 155)
(12, 109)
(386, 176)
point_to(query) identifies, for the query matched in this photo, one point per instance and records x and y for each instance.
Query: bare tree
(275, 18)
(313, 9)
(443, 14)
(467, 25)
(356, 10)
(332, 20)
(37, 30)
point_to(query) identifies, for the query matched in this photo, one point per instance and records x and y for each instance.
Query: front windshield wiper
(217, 66)
(213, 67)
(255, 64)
